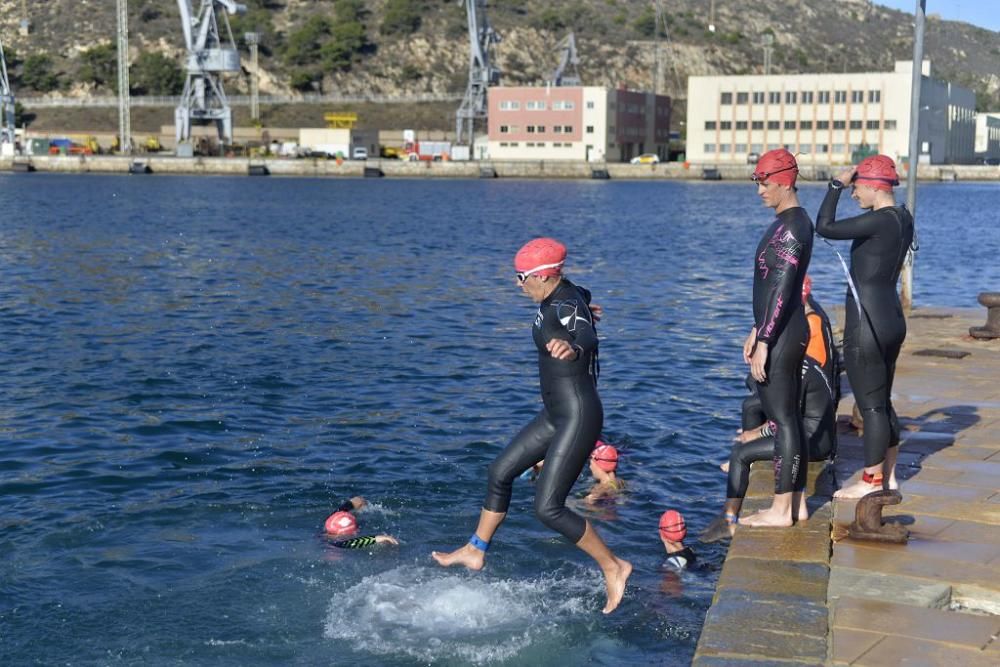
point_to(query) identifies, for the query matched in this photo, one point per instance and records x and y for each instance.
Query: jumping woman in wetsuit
(777, 342)
(875, 328)
(565, 430)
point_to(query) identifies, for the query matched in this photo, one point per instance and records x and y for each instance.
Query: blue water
(196, 371)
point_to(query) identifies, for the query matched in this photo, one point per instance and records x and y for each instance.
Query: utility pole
(911, 173)
(124, 111)
(253, 41)
(658, 80)
(768, 45)
(711, 16)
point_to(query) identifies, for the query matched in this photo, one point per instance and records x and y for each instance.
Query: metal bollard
(992, 328)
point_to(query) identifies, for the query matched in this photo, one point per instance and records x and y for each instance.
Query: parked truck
(426, 151)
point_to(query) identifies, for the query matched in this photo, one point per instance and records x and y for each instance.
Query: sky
(983, 13)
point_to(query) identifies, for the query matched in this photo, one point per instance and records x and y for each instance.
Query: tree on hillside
(402, 17)
(99, 65)
(322, 44)
(38, 73)
(155, 74)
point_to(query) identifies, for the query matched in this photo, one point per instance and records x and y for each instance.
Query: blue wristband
(479, 543)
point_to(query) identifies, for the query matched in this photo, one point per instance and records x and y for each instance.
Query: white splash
(433, 615)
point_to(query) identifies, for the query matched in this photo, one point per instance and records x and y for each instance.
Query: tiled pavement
(795, 597)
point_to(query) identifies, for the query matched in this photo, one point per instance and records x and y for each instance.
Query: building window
(590, 104)
(774, 97)
(822, 148)
(874, 96)
(723, 148)
(807, 97)
(772, 147)
(726, 98)
(838, 149)
(805, 148)
(806, 125)
(509, 105)
(709, 148)
(514, 144)
(824, 97)
(557, 129)
(857, 96)
(789, 124)
(740, 148)
(773, 125)
(541, 128)
(871, 125)
(726, 125)
(535, 106)
(741, 125)
(757, 148)
(531, 129)
(742, 98)
(790, 97)
(839, 124)
(757, 125)
(504, 129)
(709, 124)
(530, 144)
(889, 125)
(590, 129)
(541, 144)
(503, 144)
(822, 125)
(562, 105)
(855, 124)
(758, 98)
(567, 129)
(839, 96)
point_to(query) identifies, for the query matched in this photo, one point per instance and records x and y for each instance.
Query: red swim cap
(672, 526)
(605, 456)
(807, 288)
(540, 257)
(877, 171)
(340, 523)
(777, 166)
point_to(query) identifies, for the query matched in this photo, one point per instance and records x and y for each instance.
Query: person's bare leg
(862, 488)
(889, 467)
(468, 555)
(778, 515)
(723, 525)
(616, 571)
(801, 509)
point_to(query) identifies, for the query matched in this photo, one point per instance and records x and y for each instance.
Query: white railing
(52, 102)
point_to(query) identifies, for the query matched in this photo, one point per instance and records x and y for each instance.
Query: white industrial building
(824, 118)
(988, 135)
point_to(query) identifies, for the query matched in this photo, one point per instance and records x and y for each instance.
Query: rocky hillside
(410, 46)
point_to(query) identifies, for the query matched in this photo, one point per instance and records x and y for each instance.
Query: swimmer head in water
(604, 458)
(538, 265)
(672, 526)
(341, 523)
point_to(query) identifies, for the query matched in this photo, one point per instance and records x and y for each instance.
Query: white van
(360, 153)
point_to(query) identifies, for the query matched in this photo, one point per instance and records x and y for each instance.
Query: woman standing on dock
(564, 432)
(777, 342)
(875, 326)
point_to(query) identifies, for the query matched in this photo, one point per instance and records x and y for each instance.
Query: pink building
(576, 123)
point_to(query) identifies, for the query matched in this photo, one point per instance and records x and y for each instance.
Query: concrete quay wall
(526, 169)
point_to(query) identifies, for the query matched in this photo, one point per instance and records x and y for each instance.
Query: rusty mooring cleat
(868, 524)
(992, 329)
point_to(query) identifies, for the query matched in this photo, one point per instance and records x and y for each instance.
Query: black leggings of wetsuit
(872, 340)
(563, 434)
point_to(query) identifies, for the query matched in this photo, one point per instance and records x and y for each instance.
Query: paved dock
(796, 597)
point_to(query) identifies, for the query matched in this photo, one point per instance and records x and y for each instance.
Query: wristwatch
(835, 184)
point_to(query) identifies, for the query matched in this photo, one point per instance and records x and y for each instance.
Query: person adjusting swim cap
(877, 171)
(539, 257)
(777, 166)
(605, 456)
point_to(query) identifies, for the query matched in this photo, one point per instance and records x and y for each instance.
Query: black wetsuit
(780, 265)
(872, 340)
(680, 560)
(570, 422)
(359, 542)
(819, 420)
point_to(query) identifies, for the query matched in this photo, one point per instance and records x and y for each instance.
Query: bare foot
(615, 583)
(803, 513)
(719, 529)
(767, 518)
(856, 490)
(724, 467)
(467, 555)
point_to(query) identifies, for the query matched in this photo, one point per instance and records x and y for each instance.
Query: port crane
(6, 104)
(211, 52)
(482, 72)
(566, 73)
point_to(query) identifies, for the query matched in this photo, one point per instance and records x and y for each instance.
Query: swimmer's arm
(355, 503)
(365, 541)
(860, 226)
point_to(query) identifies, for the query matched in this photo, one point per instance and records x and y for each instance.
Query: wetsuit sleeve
(788, 252)
(827, 225)
(574, 318)
(356, 542)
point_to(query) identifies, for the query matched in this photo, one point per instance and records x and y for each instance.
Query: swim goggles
(762, 178)
(523, 275)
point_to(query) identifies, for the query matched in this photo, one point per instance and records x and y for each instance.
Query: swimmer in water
(875, 328)
(673, 530)
(343, 524)
(564, 431)
(776, 345)
(603, 467)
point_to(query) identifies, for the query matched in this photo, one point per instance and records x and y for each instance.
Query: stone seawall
(115, 164)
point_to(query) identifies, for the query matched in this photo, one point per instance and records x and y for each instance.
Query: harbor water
(197, 371)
